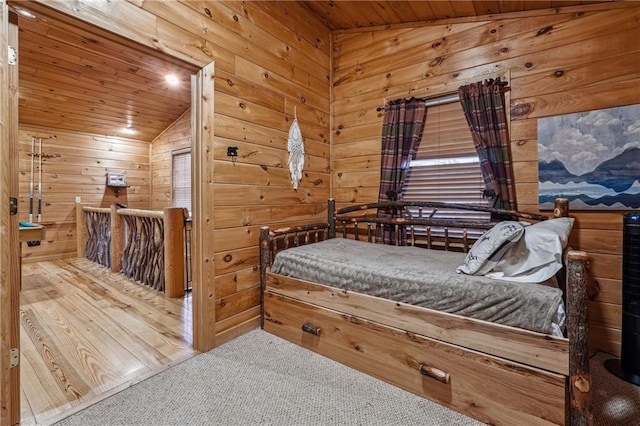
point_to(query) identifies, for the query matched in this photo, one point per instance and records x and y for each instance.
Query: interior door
(9, 246)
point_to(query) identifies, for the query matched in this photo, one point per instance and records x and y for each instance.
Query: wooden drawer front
(521, 346)
(490, 389)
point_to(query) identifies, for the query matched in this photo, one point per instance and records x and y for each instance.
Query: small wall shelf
(31, 232)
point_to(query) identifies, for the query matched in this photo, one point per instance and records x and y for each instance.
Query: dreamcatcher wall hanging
(295, 146)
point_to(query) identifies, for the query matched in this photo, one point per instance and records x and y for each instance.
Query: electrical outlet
(78, 200)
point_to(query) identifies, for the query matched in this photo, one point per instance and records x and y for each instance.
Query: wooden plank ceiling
(76, 77)
(344, 15)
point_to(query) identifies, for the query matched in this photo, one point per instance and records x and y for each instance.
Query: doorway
(80, 72)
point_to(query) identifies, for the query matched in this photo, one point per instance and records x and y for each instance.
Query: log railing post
(81, 230)
(174, 251)
(117, 239)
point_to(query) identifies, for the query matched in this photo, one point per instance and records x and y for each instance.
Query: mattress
(424, 278)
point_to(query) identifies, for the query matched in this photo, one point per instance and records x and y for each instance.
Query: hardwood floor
(87, 333)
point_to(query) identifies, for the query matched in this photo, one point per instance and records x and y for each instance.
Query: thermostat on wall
(116, 179)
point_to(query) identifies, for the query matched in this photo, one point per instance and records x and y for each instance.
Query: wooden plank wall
(559, 62)
(175, 137)
(271, 59)
(75, 164)
(279, 66)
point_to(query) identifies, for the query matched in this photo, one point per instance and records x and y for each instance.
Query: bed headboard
(447, 226)
(427, 224)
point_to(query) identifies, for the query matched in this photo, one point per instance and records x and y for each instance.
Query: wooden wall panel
(74, 165)
(580, 59)
(175, 137)
(281, 68)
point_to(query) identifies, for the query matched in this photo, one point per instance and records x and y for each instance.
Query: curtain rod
(454, 97)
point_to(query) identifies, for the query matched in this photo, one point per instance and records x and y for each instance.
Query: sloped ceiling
(344, 15)
(76, 77)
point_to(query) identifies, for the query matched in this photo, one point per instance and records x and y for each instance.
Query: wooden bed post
(579, 383)
(561, 207)
(578, 408)
(264, 262)
(331, 217)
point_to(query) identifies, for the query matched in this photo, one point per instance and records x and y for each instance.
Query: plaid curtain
(483, 106)
(401, 134)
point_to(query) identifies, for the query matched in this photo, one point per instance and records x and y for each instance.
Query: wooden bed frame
(494, 373)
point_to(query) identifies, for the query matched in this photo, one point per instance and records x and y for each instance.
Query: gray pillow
(490, 247)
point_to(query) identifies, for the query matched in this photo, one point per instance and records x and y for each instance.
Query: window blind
(181, 180)
(446, 167)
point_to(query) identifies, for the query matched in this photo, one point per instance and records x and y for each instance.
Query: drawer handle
(435, 373)
(311, 329)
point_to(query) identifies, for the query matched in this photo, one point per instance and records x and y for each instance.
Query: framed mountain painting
(592, 158)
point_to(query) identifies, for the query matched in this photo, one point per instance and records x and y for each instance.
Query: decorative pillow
(538, 254)
(490, 247)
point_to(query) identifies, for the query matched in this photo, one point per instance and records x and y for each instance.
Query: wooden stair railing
(143, 251)
(96, 236)
(145, 245)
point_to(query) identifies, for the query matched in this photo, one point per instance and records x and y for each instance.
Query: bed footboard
(271, 242)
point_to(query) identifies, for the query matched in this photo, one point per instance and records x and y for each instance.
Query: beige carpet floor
(260, 379)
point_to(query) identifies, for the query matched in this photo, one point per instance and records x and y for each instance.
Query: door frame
(141, 26)
(203, 295)
(202, 205)
(10, 274)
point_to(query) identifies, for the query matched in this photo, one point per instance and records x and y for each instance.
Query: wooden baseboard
(236, 331)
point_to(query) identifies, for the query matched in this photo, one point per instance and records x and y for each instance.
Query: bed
(445, 309)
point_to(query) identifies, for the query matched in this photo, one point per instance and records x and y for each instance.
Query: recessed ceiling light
(129, 130)
(172, 79)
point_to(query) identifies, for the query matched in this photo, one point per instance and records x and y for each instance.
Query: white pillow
(538, 254)
(489, 248)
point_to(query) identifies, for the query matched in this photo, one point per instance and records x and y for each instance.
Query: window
(446, 167)
(181, 179)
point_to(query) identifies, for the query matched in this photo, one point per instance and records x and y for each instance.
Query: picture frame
(591, 158)
(118, 180)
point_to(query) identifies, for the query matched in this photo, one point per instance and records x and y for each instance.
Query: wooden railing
(97, 225)
(147, 246)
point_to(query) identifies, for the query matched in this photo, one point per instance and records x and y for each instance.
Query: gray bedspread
(421, 277)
